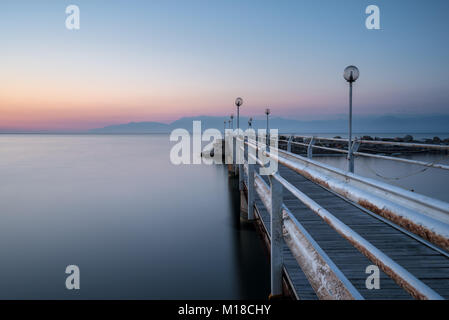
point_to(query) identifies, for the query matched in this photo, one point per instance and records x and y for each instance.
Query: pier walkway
(332, 231)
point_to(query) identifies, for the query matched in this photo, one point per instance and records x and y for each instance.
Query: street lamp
(351, 74)
(267, 112)
(232, 120)
(238, 104)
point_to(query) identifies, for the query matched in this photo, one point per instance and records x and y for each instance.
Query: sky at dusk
(159, 60)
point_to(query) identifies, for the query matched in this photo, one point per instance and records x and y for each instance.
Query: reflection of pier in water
(330, 225)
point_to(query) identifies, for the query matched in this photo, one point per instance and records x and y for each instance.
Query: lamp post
(232, 120)
(267, 112)
(250, 122)
(351, 74)
(238, 104)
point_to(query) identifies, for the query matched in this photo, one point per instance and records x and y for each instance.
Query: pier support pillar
(241, 176)
(229, 153)
(234, 155)
(276, 238)
(243, 206)
(251, 195)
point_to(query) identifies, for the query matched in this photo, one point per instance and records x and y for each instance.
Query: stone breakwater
(366, 147)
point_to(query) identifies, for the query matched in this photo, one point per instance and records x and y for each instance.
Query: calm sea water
(137, 226)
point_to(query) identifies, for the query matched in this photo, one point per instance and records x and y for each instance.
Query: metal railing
(419, 214)
(324, 276)
(358, 142)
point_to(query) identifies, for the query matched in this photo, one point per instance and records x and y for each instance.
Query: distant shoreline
(421, 126)
(397, 136)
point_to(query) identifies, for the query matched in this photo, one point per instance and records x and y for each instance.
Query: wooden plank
(425, 263)
(299, 280)
(422, 261)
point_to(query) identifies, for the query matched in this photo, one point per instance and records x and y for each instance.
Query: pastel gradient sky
(159, 60)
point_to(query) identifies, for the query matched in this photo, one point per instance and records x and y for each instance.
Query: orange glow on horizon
(46, 105)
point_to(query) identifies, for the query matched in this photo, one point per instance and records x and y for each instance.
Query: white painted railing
(356, 145)
(325, 277)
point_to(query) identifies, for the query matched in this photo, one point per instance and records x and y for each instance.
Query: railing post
(310, 148)
(350, 159)
(251, 195)
(267, 142)
(276, 238)
(228, 151)
(354, 147)
(289, 144)
(234, 153)
(257, 145)
(240, 164)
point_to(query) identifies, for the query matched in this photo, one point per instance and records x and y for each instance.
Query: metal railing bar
(417, 213)
(417, 198)
(328, 148)
(394, 143)
(407, 144)
(408, 281)
(310, 247)
(425, 218)
(413, 197)
(307, 251)
(394, 225)
(403, 278)
(319, 138)
(415, 162)
(370, 155)
(297, 143)
(286, 273)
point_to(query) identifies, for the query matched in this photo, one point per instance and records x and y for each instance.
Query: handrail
(429, 203)
(320, 147)
(404, 278)
(324, 276)
(419, 214)
(416, 162)
(395, 143)
(369, 155)
(272, 200)
(407, 144)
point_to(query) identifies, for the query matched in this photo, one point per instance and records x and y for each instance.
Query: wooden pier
(327, 258)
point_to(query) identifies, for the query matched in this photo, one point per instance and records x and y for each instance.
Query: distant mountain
(365, 124)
